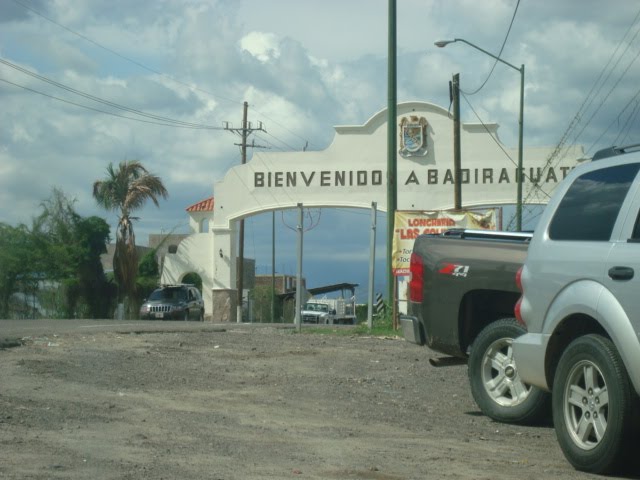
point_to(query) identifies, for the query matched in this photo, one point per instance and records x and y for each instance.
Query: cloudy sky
(303, 66)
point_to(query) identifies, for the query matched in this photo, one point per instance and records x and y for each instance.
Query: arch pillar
(223, 292)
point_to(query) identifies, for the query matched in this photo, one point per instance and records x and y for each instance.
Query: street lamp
(444, 43)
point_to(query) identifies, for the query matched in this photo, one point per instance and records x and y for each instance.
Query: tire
(495, 384)
(593, 405)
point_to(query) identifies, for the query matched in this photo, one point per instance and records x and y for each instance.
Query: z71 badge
(454, 270)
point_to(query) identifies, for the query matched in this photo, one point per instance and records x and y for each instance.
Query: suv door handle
(621, 273)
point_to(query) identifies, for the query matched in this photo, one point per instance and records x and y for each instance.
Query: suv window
(171, 293)
(590, 207)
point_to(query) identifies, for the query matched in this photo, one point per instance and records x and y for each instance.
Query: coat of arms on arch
(413, 136)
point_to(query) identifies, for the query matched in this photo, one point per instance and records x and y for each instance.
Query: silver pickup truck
(462, 296)
(581, 306)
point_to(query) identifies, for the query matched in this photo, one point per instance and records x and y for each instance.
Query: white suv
(581, 306)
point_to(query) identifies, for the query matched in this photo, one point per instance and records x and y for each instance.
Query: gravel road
(251, 403)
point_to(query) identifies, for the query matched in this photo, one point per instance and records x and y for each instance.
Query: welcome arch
(352, 173)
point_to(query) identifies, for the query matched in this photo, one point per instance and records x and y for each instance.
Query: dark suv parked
(173, 302)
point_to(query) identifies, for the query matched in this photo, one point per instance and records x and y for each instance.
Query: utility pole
(300, 251)
(457, 163)
(244, 133)
(273, 267)
(392, 152)
(372, 263)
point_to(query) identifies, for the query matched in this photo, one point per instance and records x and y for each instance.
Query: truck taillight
(416, 283)
(519, 278)
(517, 310)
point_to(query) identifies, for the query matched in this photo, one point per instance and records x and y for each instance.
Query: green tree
(69, 247)
(54, 233)
(126, 189)
(148, 266)
(16, 262)
(148, 275)
(92, 234)
(62, 250)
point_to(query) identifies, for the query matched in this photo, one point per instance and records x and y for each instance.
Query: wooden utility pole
(244, 133)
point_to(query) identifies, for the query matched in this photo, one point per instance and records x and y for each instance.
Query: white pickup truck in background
(329, 311)
(581, 306)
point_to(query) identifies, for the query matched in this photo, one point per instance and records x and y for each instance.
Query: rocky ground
(251, 403)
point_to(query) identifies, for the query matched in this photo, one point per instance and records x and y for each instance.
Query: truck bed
(468, 281)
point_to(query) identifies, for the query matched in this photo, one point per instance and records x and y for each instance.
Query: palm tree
(126, 189)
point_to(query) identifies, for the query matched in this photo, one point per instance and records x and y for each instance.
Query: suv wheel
(494, 380)
(593, 405)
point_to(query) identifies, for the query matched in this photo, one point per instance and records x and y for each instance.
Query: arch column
(223, 294)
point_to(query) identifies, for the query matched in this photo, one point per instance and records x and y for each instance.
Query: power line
(596, 88)
(166, 120)
(104, 111)
(631, 116)
(491, 134)
(278, 140)
(285, 128)
(499, 54)
(593, 92)
(607, 97)
(535, 186)
(149, 69)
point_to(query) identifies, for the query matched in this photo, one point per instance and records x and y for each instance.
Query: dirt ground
(251, 403)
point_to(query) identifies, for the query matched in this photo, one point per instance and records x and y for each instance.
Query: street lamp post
(444, 43)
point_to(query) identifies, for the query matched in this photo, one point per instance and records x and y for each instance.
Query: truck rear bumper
(529, 352)
(412, 330)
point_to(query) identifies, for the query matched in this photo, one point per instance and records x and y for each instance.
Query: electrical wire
(267, 141)
(606, 98)
(633, 120)
(165, 120)
(104, 111)
(305, 212)
(499, 54)
(534, 185)
(285, 128)
(561, 150)
(149, 69)
(488, 131)
(616, 120)
(591, 96)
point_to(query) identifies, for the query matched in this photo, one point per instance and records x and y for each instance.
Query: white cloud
(263, 46)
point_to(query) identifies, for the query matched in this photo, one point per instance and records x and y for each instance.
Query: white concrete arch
(352, 173)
